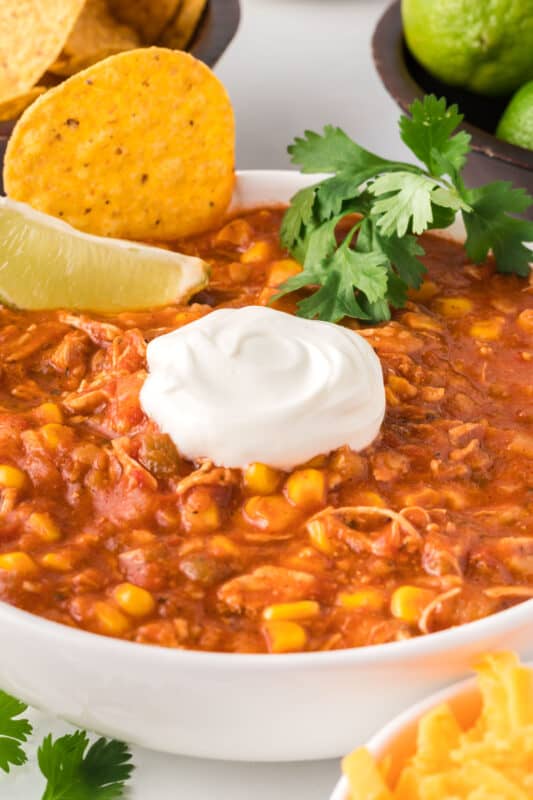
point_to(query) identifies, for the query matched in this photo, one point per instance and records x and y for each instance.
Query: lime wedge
(46, 264)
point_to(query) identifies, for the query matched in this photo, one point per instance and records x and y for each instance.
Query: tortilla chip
(181, 29)
(11, 109)
(32, 34)
(148, 17)
(95, 36)
(138, 146)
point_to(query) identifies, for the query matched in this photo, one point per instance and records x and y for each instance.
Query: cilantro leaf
(13, 732)
(366, 272)
(331, 151)
(332, 193)
(428, 133)
(333, 301)
(76, 771)
(297, 217)
(317, 248)
(406, 202)
(403, 254)
(397, 291)
(490, 226)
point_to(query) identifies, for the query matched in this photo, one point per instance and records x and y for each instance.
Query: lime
(45, 263)
(516, 124)
(485, 46)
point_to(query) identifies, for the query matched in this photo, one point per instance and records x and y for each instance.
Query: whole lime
(485, 46)
(516, 124)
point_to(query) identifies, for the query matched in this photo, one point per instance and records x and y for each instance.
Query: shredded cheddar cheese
(491, 759)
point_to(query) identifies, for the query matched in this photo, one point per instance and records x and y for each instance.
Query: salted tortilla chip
(148, 17)
(96, 35)
(180, 30)
(11, 109)
(32, 34)
(138, 146)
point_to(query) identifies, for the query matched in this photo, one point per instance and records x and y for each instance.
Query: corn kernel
(525, 320)
(454, 307)
(306, 488)
(208, 519)
(303, 609)
(284, 636)
(44, 526)
(432, 394)
(424, 293)
(425, 497)
(18, 562)
(408, 602)
(370, 599)
(421, 322)
(392, 399)
(319, 537)
(55, 434)
(60, 562)
(272, 513)
(260, 479)
(49, 412)
(134, 600)
(370, 499)
(239, 273)
(281, 270)
(237, 231)
(487, 330)
(260, 251)
(401, 387)
(12, 477)
(223, 546)
(110, 619)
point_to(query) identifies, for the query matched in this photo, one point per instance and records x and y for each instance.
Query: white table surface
(294, 64)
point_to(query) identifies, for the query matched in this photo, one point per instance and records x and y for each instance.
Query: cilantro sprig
(378, 260)
(13, 732)
(74, 768)
(76, 771)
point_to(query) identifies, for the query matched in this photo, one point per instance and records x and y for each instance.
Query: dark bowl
(217, 28)
(405, 79)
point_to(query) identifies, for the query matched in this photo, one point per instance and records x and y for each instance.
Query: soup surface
(104, 527)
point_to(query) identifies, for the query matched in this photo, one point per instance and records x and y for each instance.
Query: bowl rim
(387, 52)
(463, 636)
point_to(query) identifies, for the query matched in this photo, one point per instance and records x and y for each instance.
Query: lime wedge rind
(46, 263)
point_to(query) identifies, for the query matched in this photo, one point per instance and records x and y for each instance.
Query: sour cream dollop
(255, 384)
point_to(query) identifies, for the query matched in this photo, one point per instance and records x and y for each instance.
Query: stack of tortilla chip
(43, 41)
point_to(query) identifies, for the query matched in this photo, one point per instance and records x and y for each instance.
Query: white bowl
(231, 706)
(398, 738)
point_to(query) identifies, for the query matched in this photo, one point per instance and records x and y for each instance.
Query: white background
(295, 64)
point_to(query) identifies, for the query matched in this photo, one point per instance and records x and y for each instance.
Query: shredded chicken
(206, 475)
(434, 605)
(509, 591)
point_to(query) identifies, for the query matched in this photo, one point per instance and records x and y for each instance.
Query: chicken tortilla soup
(106, 527)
